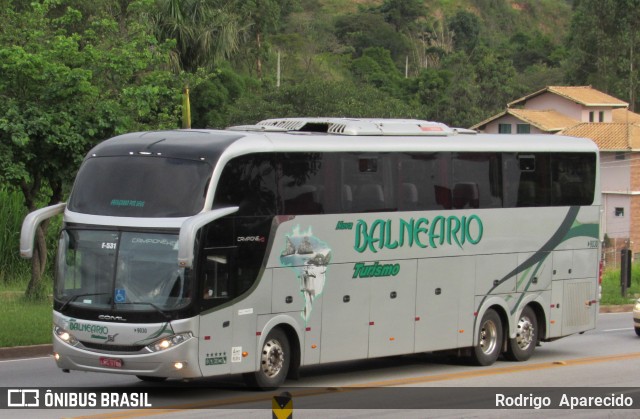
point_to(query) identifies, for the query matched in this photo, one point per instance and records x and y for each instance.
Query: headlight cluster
(169, 342)
(65, 336)
(636, 308)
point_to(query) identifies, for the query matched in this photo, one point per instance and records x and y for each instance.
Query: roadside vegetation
(611, 289)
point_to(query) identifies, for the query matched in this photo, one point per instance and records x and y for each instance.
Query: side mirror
(190, 228)
(30, 225)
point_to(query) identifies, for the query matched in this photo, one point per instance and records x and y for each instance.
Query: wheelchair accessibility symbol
(120, 296)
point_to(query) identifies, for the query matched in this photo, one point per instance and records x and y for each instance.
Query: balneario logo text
(421, 232)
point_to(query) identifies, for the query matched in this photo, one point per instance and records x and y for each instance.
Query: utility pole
(631, 88)
(406, 67)
(186, 109)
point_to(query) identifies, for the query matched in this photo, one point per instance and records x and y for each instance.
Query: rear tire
(489, 339)
(150, 379)
(275, 358)
(522, 346)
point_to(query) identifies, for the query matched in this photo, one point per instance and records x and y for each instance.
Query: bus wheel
(274, 362)
(487, 350)
(150, 379)
(521, 347)
(638, 331)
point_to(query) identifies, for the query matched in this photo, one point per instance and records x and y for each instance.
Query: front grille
(112, 348)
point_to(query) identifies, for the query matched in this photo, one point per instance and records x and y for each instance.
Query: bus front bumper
(180, 361)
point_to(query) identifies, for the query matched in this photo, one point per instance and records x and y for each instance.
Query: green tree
(402, 13)
(495, 79)
(534, 48)
(213, 97)
(466, 30)
(61, 93)
(604, 46)
(460, 107)
(429, 89)
(375, 67)
(205, 31)
(263, 17)
(364, 30)
(320, 98)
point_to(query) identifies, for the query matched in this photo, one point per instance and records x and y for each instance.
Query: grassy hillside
(501, 18)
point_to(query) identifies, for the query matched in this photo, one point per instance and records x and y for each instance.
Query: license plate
(111, 362)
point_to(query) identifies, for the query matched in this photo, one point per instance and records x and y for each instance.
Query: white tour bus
(260, 249)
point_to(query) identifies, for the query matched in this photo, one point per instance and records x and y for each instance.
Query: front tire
(275, 358)
(522, 346)
(638, 331)
(489, 345)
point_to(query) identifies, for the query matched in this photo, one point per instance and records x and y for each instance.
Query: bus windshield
(110, 269)
(140, 186)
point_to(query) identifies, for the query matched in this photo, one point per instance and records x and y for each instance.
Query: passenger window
(220, 276)
(301, 183)
(424, 181)
(369, 180)
(572, 179)
(216, 282)
(248, 182)
(477, 180)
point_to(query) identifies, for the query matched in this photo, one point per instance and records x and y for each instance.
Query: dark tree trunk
(38, 264)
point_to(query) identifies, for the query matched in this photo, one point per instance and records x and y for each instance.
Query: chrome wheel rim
(272, 358)
(525, 333)
(488, 337)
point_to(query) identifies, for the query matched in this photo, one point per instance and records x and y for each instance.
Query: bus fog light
(65, 336)
(179, 365)
(169, 342)
(56, 356)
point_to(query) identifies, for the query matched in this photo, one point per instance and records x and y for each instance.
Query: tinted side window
(572, 179)
(302, 183)
(424, 181)
(248, 182)
(527, 180)
(368, 182)
(335, 183)
(545, 179)
(477, 181)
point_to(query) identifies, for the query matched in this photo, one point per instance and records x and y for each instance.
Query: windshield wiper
(164, 314)
(74, 297)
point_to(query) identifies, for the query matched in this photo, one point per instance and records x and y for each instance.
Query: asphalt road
(607, 357)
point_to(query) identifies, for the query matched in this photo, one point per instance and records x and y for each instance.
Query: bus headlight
(169, 341)
(65, 336)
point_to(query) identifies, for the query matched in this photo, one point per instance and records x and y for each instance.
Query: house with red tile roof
(582, 111)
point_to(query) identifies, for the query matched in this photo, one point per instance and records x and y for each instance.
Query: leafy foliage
(319, 98)
(63, 91)
(603, 46)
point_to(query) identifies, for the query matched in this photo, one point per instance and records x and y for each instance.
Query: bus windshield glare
(109, 269)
